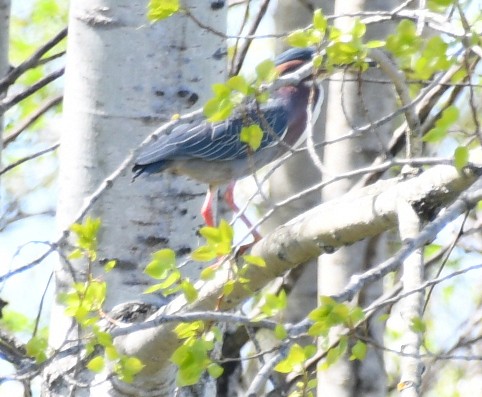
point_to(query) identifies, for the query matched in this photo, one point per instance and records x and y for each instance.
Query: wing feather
(215, 142)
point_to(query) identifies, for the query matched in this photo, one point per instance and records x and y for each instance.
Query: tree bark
(125, 77)
(353, 104)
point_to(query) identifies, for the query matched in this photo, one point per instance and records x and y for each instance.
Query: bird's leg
(229, 198)
(207, 208)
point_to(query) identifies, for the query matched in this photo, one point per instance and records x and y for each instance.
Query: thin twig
(28, 158)
(31, 62)
(247, 43)
(32, 118)
(10, 101)
(413, 138)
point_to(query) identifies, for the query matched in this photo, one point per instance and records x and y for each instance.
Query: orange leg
(207, 208)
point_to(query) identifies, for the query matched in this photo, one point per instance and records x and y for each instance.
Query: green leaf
(97, 364)
(299, 38)
(266, 71)
(461, 157)
(207, 273)
(203, 254)
(252, 136)
(436, 134)
(127, 367)
(190, 293)
(132, 365)
(110, 265)
(221, 91)
(356, 315)
(274, 303)
(86, 233)
(192, 360)
(358, 351)
(431, 250)
(219, 242)
(111, 353)
(218, 109)
(187, 330)
(14, 321)
(254, 260)
(283, 367)
(280, 332)
(319, 21)
(375, 44)
(310, 350)
(75, 254)
(317, 61)
(226, 232)
(37, 348)
(294, 360)
(359, 28)
(418, 325)
(104, 338)
(152, 289)
(215, 370)
(449, 116)
(161, 9)
(404, 42)
(439, 3)
(238, 83)
(162, 262)
(335, 353)
(171, 279)
(228, 288)
(432, 59)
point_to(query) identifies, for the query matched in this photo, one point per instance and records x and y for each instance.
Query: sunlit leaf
(96, 364)
(252, 136)
(461, 157)
(358, 351)
(215, 370)
(162, 262)
(158, 10)
(319, 20)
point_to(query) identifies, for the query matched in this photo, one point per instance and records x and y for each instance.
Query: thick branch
(365, 213)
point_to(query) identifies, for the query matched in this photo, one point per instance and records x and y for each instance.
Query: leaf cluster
(163, 267)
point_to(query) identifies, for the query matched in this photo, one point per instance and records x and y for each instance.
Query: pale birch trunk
(346, 109)
(124, 78)
(299, 172)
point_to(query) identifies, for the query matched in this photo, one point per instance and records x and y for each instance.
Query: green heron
(213, 152)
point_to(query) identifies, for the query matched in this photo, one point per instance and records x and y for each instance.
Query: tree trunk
(348, 378)
(299, 172)
(124, 78)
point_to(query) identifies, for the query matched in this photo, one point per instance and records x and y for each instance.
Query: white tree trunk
(347, 378)
(124, 78)
(299, 172)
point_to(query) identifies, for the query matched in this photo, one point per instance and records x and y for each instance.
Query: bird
(213, 153)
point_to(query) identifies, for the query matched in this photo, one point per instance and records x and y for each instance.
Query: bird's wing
(218, 141)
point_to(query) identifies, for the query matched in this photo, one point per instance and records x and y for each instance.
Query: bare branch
(32, 118)
(10, 101)
(31, 62)
(28, 158)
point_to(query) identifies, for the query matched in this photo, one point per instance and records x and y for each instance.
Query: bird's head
(293, 58)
